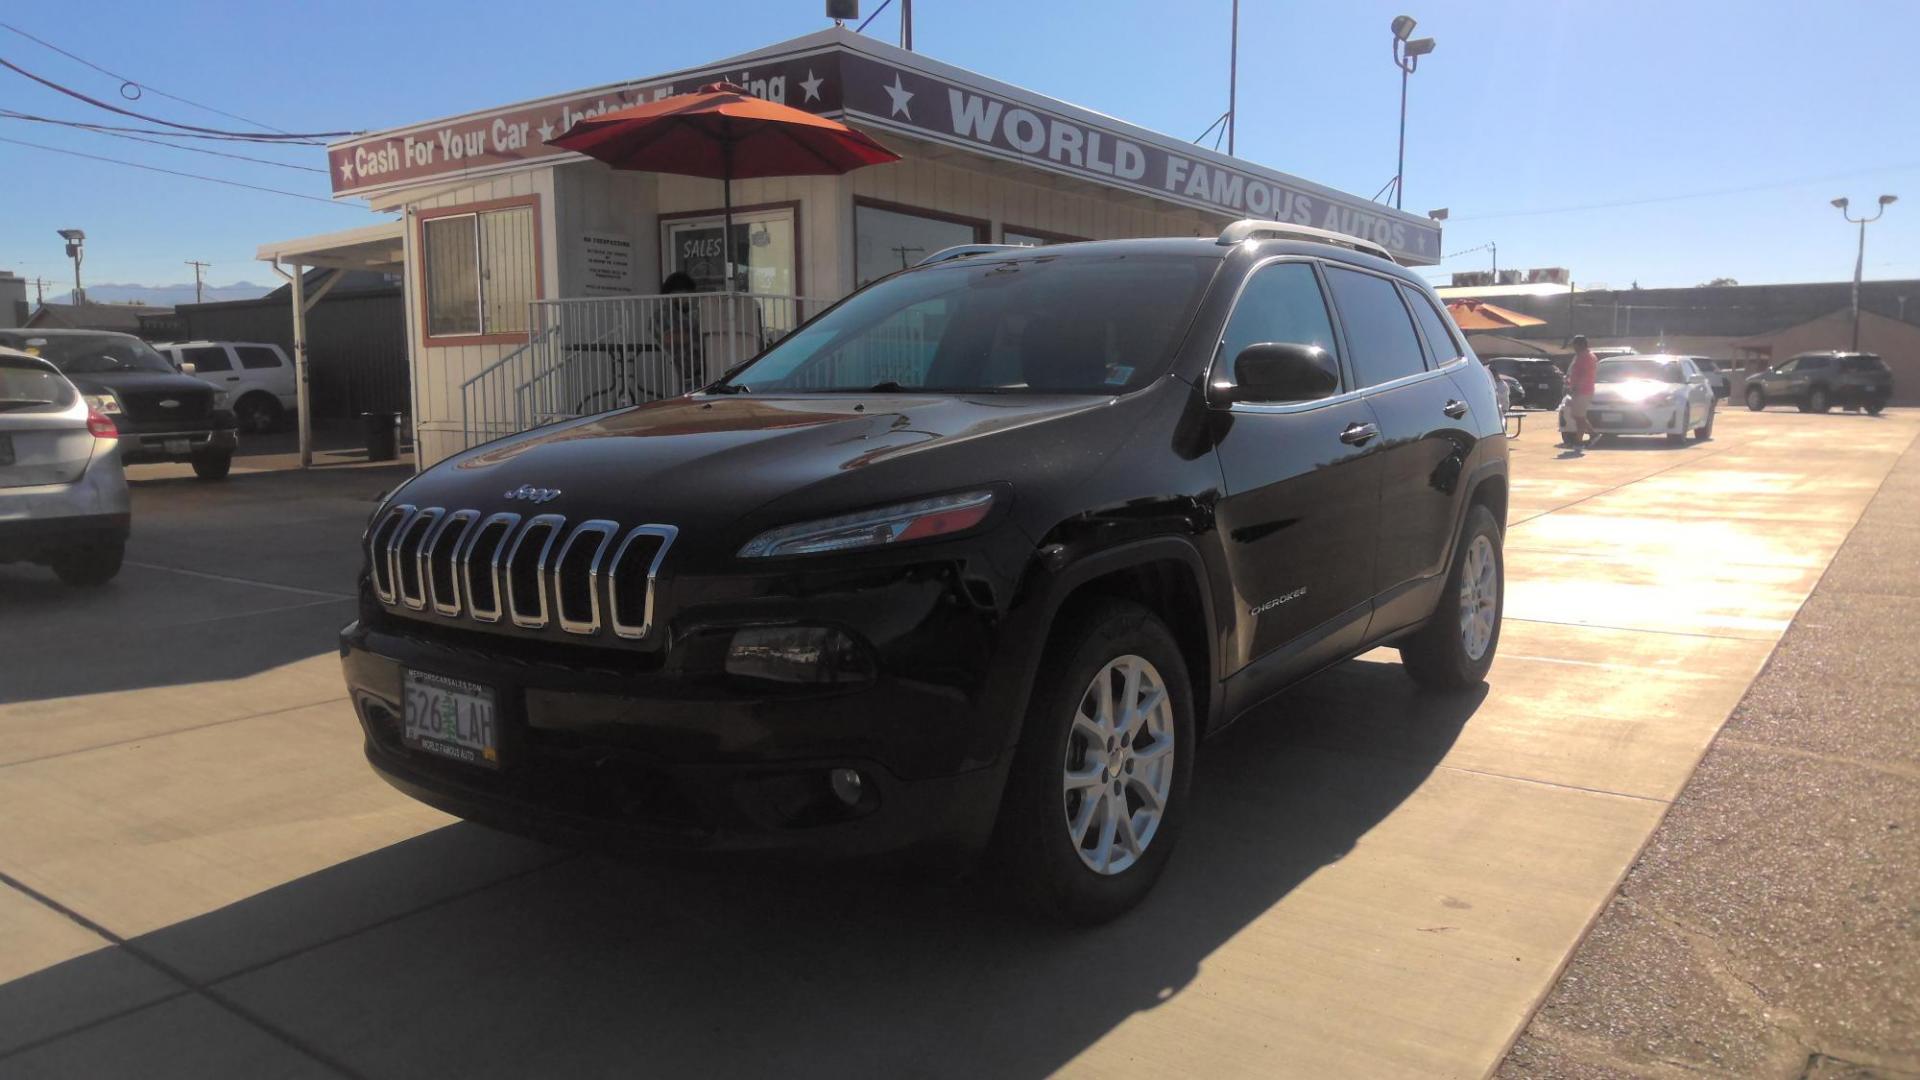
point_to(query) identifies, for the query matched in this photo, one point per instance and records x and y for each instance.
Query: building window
(761, 257)
(480, 270)
(889, 238)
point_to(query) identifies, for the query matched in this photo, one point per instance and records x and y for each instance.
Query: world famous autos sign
(836, 73)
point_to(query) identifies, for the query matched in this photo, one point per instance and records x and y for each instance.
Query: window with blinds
(479, 272)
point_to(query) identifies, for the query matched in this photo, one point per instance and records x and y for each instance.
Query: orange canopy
(1480, 315)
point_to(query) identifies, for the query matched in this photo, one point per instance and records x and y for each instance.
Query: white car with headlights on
(63, 496)
(1647, 395)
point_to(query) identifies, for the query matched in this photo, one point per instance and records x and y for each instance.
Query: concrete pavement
(199, 875)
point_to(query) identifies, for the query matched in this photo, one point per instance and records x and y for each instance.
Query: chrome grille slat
(490, 615)
(551, 523)
(606, 531)
(467, 564)
(418, 526)
(665, 534)
(465, 520)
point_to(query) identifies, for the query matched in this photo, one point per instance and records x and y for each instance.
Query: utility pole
(1233, 77)
(197, 267)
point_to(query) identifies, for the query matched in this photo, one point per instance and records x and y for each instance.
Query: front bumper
(146, 446)
(641, 760)
(1631, 418)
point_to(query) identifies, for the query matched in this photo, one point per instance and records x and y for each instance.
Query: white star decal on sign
(546, 130)
(900, 95)
(811, 84)
(346, 171)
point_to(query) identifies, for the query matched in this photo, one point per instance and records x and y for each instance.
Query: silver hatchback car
(63, 494)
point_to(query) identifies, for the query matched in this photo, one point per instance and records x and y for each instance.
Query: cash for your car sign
(868, 83)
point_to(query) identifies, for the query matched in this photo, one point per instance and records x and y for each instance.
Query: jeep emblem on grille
(169, 404)
(532, 494)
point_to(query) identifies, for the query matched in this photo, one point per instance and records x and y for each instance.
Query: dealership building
(528, 271)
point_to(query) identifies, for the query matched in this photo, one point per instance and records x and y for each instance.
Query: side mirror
(187, 367)
(1283, 371)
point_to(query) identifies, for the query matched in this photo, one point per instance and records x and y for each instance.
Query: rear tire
(1756, 399)
(1055, 866)
(1817, 400)
(1455, 649)
(1875, 408)
(213, 466)
(90, 565)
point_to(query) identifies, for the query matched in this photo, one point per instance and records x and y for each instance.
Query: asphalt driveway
(199, 875)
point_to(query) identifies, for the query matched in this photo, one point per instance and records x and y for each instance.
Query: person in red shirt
(1580, 379)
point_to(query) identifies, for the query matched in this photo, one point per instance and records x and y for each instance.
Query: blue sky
(1760, 111)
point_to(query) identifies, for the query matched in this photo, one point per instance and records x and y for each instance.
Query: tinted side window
(207, 358)
(1381, 342)
(1441, 344)
(1281, 302)
(1812, 363)
(254, 356)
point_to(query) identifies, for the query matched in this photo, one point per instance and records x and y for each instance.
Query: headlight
(105, 404)
(874, 528)
(219, 399)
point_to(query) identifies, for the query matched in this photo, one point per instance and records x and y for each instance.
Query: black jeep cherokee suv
(976, 556)
(162, 415)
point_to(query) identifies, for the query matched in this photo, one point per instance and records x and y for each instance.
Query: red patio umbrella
(721, 132)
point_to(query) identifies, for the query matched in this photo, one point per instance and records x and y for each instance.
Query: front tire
(1455, 649)
(1756, 398)
(1099, 784)
(213, 466)
(1875, 408)
(1706, 432)
(257, 413)
(90, 565)
(1817, 400)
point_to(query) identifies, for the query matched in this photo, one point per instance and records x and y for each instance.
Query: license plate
(451, 718)
(177, 446)
(1606, 417)
(6, 449)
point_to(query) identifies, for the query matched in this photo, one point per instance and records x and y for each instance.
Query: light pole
(1406, 56)
(1860, 259)
(76, 240)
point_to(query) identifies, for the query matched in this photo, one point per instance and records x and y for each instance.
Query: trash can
(383, 435)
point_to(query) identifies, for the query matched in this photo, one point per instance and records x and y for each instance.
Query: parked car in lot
(1717, 376)
(1817, 381)
(63, 496)
(256, 376)
(1543, 382)
(1647, 395)
(161, 414)
(988, 593)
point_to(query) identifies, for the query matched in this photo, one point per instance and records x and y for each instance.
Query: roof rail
(962, 251)
(1248, 228)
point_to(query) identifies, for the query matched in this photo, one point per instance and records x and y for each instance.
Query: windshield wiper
(886, 386)
(21, 403)
(730, 388)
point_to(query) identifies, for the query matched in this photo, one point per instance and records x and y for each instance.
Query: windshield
(1631, 370)
(1079, 325)
(92, 354)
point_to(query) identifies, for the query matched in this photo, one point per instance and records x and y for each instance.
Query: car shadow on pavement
(580, 964)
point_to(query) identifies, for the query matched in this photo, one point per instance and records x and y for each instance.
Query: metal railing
(590, 355)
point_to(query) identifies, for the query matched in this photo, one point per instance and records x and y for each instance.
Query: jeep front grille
(533, 573)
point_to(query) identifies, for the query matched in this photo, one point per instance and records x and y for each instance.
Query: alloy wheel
(1479, 594)
(1119, 765)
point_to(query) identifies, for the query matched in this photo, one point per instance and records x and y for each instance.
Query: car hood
(723, 462)
(139, 382)
(1636, 390)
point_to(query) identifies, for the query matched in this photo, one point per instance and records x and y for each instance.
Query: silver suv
(63, 496)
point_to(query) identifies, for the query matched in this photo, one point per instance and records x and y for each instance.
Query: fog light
(796, 654)
(846, 785)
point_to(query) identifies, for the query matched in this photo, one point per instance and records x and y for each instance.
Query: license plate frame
(177, 446)
(1606, 417)
(449, 718)
(6, 449)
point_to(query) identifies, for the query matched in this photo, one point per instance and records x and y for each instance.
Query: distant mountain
(165, 295)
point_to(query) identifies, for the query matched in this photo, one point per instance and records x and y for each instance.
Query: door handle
(1358, 434)
(1455, 409)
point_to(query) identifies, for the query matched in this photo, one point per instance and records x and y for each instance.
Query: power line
(50, 84)
(138, 86)
(1775, 186)
(876, 14)
(16, 115)
(172, 146)
(171, 172)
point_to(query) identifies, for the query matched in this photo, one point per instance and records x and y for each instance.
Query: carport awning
(370, 247)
